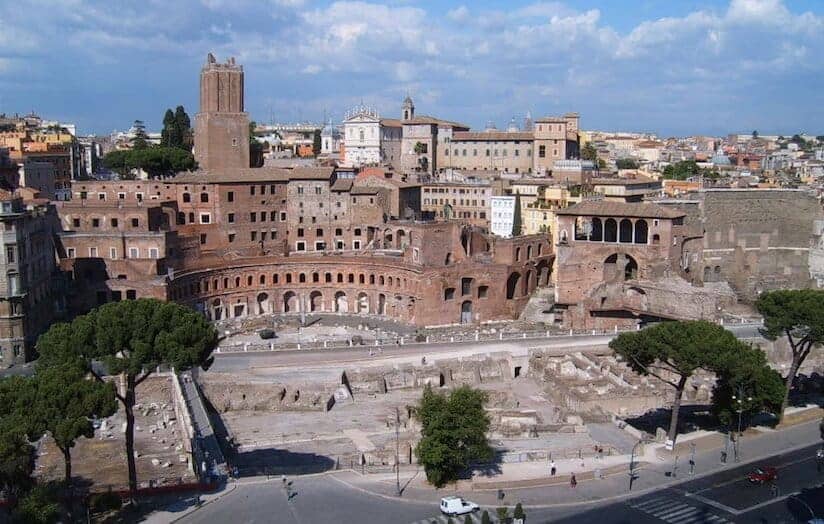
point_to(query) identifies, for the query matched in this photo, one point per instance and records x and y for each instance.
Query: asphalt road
(724, 497)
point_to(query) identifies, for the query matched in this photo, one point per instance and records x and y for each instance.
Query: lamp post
(740, 402)
(632, 463)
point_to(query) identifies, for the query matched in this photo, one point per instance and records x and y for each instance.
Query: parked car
(457, 506)
(266, 334)
(763, 474)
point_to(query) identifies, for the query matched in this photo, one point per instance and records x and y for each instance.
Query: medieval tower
(221, 126)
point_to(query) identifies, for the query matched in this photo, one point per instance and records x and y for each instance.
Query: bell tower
(408, 109)
(221, 126)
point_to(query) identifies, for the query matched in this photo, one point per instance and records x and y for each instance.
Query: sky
(670, 67)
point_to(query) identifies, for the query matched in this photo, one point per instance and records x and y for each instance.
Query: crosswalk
(458, 519)
(675, 512)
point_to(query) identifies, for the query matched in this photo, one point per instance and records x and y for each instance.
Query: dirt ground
(101, 460)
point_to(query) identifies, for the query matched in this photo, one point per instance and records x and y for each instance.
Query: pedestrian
(423, 360)
(573, 482)
(552, 469)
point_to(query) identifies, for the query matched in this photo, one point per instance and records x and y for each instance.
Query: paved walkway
(531, 483)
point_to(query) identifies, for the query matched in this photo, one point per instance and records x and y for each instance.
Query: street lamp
(632, 464)
(740, 402)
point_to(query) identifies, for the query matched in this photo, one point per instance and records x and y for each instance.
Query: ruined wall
(758, 240)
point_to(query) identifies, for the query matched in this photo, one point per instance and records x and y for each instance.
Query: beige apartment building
(461, 201)
(500, 151)
(556, 138)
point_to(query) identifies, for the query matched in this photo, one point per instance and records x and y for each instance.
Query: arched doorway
(512, 284)
(362, 305)
(381, 304)
(315, 301)
(217, 309)
(466, 312)
(341, 304)
(263, 303)
(290, 302)
(528, 283)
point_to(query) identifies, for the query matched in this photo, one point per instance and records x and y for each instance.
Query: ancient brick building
(30, 295)
(232, 241)
(222, 125)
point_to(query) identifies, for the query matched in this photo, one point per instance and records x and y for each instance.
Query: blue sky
(670, 67)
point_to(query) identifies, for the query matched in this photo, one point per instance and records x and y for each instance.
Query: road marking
(713, 503)
(675, 512)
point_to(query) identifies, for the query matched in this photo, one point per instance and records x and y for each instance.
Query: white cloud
(459, 14)
(546, 55)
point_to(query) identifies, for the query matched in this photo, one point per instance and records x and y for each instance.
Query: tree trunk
(788, 384)
(676, 407)
(129, 407)
(67, 461)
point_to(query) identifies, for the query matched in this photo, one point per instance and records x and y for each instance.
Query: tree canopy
(682, 170)
(16, 453)
(588, 152)
(797, 314)
(63, 401)
(177, 129)
(673, 351)
(626, 163)
(747, 384)
(131, 338)
(157, 161)
(453, 432)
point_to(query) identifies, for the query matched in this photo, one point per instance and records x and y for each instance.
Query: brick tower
(221, 126)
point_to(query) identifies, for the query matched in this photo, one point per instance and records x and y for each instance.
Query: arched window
(288, 278)
(302, 278)
(274, 278)
(597, 233)
(249, 280)
(315, 277)
(528, 252)
(626, 231)
(262, 279)
(610, 230)
(656, 239)
(517, 254)
(204, 197)
(641, 231)
(340, 278)
(187, 197)
(237, 281)
(328, 278)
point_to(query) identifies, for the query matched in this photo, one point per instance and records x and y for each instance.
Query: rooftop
(250, 174)
(491, 135)
(620, 209)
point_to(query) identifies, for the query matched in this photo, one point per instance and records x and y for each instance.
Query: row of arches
(226, 283)
(625, 231)
(315, 301)
(522, 285)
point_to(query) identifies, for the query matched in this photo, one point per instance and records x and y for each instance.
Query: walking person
(573, 482)
(552, 468)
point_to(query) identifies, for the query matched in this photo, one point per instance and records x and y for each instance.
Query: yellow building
(539, 215)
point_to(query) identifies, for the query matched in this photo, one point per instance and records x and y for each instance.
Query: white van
(457, 506)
